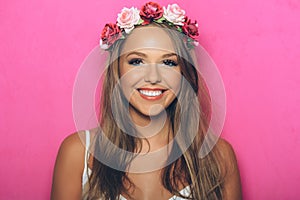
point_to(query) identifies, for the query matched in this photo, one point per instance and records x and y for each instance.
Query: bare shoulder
(226, 151)
(73, 146)
(73, 140)
(68, 168)
(232, 184)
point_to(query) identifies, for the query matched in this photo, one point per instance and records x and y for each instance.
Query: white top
(87, 171)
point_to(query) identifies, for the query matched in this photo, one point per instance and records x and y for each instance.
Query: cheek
(129, 80)
(131, 77)
(173, 80)
(126, 86)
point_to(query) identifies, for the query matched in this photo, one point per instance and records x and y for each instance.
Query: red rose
(151, 11)
(190, 28)
(110, 33)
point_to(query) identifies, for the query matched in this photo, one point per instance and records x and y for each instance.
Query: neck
(154, 131)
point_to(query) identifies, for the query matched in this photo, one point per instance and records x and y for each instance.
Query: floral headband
(173, 15)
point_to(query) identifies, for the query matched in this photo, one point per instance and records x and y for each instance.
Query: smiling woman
(149, 70)
(152, 98)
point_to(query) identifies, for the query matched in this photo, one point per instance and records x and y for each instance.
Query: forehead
(148, 37)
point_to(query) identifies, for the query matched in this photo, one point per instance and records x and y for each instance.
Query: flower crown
(173, 15)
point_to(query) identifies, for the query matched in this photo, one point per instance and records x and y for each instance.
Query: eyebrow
(145, 55)
(169, 55)
(137, 53)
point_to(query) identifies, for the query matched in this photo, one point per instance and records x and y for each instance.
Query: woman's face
(149, 71)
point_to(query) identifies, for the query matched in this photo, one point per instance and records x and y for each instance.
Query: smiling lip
(151, 93)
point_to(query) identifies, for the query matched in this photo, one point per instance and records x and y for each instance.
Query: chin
(149, 111)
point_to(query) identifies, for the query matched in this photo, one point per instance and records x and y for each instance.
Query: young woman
(155, 115)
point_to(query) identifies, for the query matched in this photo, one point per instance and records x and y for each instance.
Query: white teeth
(151, 93)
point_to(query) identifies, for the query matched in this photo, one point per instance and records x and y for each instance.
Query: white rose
(128, 18)
(174, 14)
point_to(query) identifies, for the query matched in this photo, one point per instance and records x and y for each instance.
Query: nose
(152, 74)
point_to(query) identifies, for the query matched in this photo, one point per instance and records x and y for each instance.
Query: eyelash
(135, 61)
(138, 61)
(170, 63)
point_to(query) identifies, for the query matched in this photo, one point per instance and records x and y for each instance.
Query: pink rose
(173, 13)
(110, 33)
(151, 11)
(190, 28)
(128, 18)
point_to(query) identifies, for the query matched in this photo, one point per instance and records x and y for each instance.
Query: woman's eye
(135, 61)
(170, 63)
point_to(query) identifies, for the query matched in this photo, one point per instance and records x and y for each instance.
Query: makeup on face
(149, 69)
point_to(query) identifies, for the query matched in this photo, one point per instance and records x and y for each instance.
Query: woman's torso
(140, 180)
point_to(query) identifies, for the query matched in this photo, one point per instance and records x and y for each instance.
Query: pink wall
(254, 43)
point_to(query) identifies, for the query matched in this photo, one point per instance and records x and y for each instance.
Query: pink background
(254, 43)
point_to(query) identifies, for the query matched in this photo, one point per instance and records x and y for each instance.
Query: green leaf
(160, 20)
(122, 37)
(179, 29)
(140, 21)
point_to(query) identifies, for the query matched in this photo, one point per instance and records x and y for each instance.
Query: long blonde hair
(202, 174)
